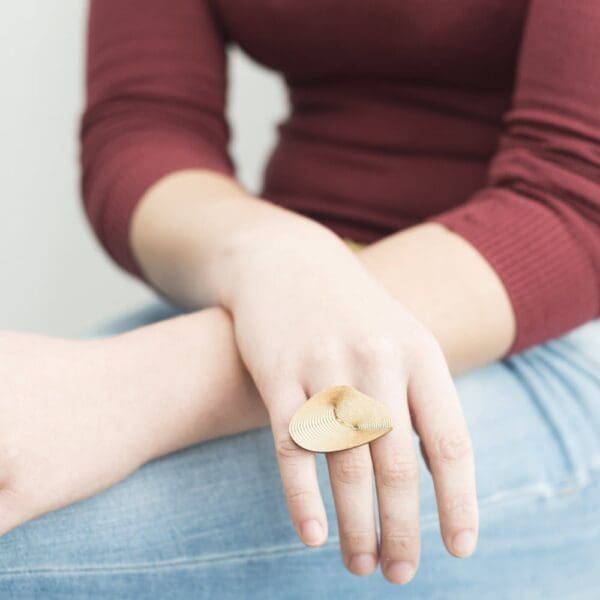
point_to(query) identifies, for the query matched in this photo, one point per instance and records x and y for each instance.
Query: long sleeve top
(482, 116)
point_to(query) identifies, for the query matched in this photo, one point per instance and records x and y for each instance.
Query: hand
(308, 315)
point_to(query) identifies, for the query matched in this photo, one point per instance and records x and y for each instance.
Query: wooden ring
(338, 418)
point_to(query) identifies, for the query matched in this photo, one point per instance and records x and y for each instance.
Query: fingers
(297, 469)
(442, 429)
(351, 480)
(424, 454)
(397, 480)
(437, 416)
(351, 477)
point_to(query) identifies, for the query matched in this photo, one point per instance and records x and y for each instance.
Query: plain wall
(54, 276)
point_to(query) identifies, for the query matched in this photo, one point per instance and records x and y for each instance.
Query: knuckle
(399, 474)
(401, 542)
(429, 345)
(357, 538)
(376, 351)
(287, 449)
(324, 349)
(285, 370)
(460, 506)
(351, 467)
(275, 390)
(453, 447)
(299, 496)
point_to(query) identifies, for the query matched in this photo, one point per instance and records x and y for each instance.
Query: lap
(211, 521)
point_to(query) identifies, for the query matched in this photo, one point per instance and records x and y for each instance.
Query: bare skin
(119, 422)
(309, 313)
(129, 378)
(98, 407)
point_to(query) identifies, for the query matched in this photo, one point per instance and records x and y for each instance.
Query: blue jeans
(211, 521)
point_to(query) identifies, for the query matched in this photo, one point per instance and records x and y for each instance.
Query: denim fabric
(211, 521)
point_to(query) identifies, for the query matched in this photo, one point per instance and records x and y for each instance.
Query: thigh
(535, 423)
(211, 521)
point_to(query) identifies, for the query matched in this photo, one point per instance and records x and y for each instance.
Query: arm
(155, 91)
(159, 189)
(537, 222)
(450, 288)
(439, 277)
(157, 180)
(323, 318)
(490, 294)
(130, 379)
(79, 416)
(519, 262)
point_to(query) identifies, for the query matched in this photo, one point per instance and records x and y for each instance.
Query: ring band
(356, 246)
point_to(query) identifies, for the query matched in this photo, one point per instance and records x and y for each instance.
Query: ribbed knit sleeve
(537, 221)
(155, 83)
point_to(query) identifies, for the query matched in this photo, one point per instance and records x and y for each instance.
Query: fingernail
(312, 532)
(400, 571)
(464, 543)
(362, 564)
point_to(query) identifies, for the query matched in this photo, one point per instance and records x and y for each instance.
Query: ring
(338, 418)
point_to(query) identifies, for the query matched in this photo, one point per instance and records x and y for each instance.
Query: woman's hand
(308, 315)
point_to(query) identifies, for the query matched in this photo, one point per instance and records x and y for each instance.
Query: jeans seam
(221, 558)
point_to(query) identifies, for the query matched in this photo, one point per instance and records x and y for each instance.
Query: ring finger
(351, 479)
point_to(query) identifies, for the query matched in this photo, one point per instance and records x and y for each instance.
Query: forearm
(191, 385)
(450, 288)
(186, 226)
(186, 379)
(118, 402)
(189, 225)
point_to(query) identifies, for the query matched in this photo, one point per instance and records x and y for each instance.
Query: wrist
(272, 241)
(126, 390)
(179, 382)
(193, 231)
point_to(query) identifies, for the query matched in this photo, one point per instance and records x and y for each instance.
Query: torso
(396, 107)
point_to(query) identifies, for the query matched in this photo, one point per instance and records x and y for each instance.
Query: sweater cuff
(111, 202)
(547, 275)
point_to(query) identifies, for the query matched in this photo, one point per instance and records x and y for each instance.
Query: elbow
(125, 147)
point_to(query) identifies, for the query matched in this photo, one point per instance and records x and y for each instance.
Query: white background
(54, 277)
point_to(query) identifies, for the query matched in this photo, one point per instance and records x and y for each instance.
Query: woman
(455, 149)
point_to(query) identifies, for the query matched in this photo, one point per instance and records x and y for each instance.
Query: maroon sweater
(483, 116)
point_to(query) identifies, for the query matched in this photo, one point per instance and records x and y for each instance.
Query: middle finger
(351, 480)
